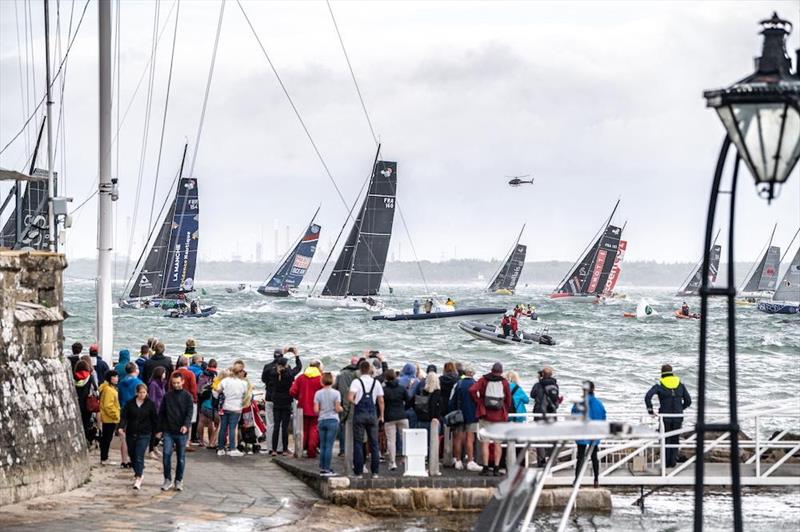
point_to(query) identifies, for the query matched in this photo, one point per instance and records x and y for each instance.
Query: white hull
(348, 302)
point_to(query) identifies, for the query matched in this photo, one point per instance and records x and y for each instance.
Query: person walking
(109, 413)
(282, 404)
(327, 405)
(303, 389)
(366, 394)
(596, 412)
(342, 385)
(395, 402)
(464, 437)
(673, 399)
(138, 421)
(175, 421)
(190, 385)
(546, 400)
(144, 356)
(492, 396)
(157, 359)
(156, 389)
(85, 388)
(518, 397)
(232, 393)
(100, 366)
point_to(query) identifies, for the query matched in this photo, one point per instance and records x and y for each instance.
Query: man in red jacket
(492, 396)
(303, 389)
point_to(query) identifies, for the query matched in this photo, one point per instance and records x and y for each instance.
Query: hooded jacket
(408, 379)
(462, 400)
(124, 358)
(269, 376)
(597, 412)
(673, 397)
(394, 401)
(342, 384)
(541, 405)
(141, 362)
(303, 389)
(84, 384)
(155, 392)
(447, 382)
(518, 399)
(478, 390)
(109, 403)
(155, 361)
(127, 389)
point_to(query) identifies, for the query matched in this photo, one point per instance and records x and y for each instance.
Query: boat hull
(575, 298)
(275, 292)
(778, 308)
(458, 313)
(347, 302)
(487, 332)
(504, 292)
(204, 313)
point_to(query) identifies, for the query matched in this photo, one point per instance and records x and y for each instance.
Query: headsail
(291, 271)
(789, 287)
(359, 269)
(170, 264)
(613, 277)
(509, 273)
(34, 221)
(765, 277)
(692, 288)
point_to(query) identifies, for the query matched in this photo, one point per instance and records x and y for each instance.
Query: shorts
(484, 424)
(466, 427)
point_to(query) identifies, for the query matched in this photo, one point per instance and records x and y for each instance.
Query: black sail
(765, 277)
(509, 275)
(574, 282)
(359, 269)
(150, 281)
(608, 247)
(692, 288)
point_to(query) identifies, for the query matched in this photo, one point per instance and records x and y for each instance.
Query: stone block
(403, 500)
(438, 499)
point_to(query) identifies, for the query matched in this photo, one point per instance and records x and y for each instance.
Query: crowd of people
(151, 403)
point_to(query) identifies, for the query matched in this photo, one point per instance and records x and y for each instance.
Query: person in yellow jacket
(109, 413)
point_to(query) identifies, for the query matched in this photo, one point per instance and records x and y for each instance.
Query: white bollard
(415, 445)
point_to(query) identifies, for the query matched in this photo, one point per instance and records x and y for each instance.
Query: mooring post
(348, 442)
(433, 449)
(298, 431)
(448, 447)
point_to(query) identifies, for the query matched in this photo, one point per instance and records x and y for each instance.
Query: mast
(105, 320)
(51, 226)
(360, 219)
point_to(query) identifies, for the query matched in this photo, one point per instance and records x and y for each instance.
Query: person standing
(124, 358)
(158, 359)
(448, 381)
(596, 412)
(100, 366)
(85, 387)
(673, 399)
(77, 347)
(144, 356)
(342, 385)
(327, 405)
(492, 396)
(464, 437)
(428, 402)
(303, 389)
(156, 390)
(518, 397)
(269, 376)
(138, 421)
(282, 403)
(109, 413)
(395, 420)
(175, 420)
(232, 394)
(190, 385)
(366, 394)
(546, 399)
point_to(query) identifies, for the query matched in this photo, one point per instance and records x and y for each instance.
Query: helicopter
(517, 180)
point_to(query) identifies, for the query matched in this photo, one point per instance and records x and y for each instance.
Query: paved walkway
(220, 493)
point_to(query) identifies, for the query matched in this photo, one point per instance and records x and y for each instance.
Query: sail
(291, 272)
(789, 287)
(613, 277)
(35, 232)
(693, 286)
(359, 269)
(765, 277)
(170, 264)
(509, 275)
(574, 281)
(604, 260)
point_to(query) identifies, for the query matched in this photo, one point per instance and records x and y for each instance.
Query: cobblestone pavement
(220, 493)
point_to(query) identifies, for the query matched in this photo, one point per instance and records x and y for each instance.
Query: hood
(391, 384)
(350, 367)
(82, 377)
(311, 372)
(493, 377)
(547, 381)
(670, 382)
(409, 370)
(448, 377)
(124, 356)
(104, 386)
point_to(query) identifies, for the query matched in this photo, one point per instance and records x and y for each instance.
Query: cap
(497, 367)
(278, 353)
(431, 367)
(93, 349)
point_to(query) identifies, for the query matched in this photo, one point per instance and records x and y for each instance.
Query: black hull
(438, 315)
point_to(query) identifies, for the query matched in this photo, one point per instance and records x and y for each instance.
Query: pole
(105, 324)
(51, 219)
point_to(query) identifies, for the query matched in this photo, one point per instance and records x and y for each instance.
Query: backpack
(518, 406)
(551, 398)
(422, 404)
(493, 397)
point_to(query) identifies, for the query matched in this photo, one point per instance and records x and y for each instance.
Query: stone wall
(42, 446)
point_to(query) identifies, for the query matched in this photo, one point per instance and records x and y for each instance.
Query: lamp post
(761, 115)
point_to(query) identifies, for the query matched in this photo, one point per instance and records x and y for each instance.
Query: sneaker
(472, 466)
(458, 465)
(105, 462)
(248, 451)
(235, 452)
(393, 467)
(179, 485)
(366, 470)
(375, 475)
(221, 452)
(167, 485)
(137, 483)
(485, 471)
(495, 471)
(596, 484)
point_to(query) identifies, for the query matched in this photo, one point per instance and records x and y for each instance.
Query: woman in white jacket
(234, 393)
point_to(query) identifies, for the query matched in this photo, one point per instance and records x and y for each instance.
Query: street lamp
(761, 115)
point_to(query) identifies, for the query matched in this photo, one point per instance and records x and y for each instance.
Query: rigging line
(32, 114)
(208, 87)
(411, 241)
(789, 246)
(27, 72)
(164, 119)
(22, 92)
(61, 128)
(352, 74)
(30, 35)
(117, 71)
(84, 202)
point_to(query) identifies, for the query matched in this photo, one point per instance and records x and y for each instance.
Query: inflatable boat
(488, 332)
(410, 316)
(204, 313)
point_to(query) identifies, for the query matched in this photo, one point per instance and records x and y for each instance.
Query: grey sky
(596, 100)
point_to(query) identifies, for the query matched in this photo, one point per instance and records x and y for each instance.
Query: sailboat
(294, 265)
(505, 280)
(587, 280)
(167, 274)
(786, 299)
(692, 286)
(764, 278)
(356, 277)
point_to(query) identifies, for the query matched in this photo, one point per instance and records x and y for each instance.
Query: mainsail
(359, 269)
(789, 287)
(295, 265)
(692, 287)
(592, 272)
(613, 277)
(170, 265)
(765, 277)
(34, 222)
(508, 276)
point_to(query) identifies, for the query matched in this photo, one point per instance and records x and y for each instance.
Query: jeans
(327, 435)
(582, 456)
(179, 443)
(269, 416)
(105, 439)
(283, 415)
(427, 426)
(229, 422)
(137, 445)
(365, 423)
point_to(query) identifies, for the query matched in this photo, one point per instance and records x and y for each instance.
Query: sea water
(622, 356)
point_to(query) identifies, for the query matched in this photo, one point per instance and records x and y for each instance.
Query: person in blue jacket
(597, 412)
(124, 358)
(127, 385)
(518, 397)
